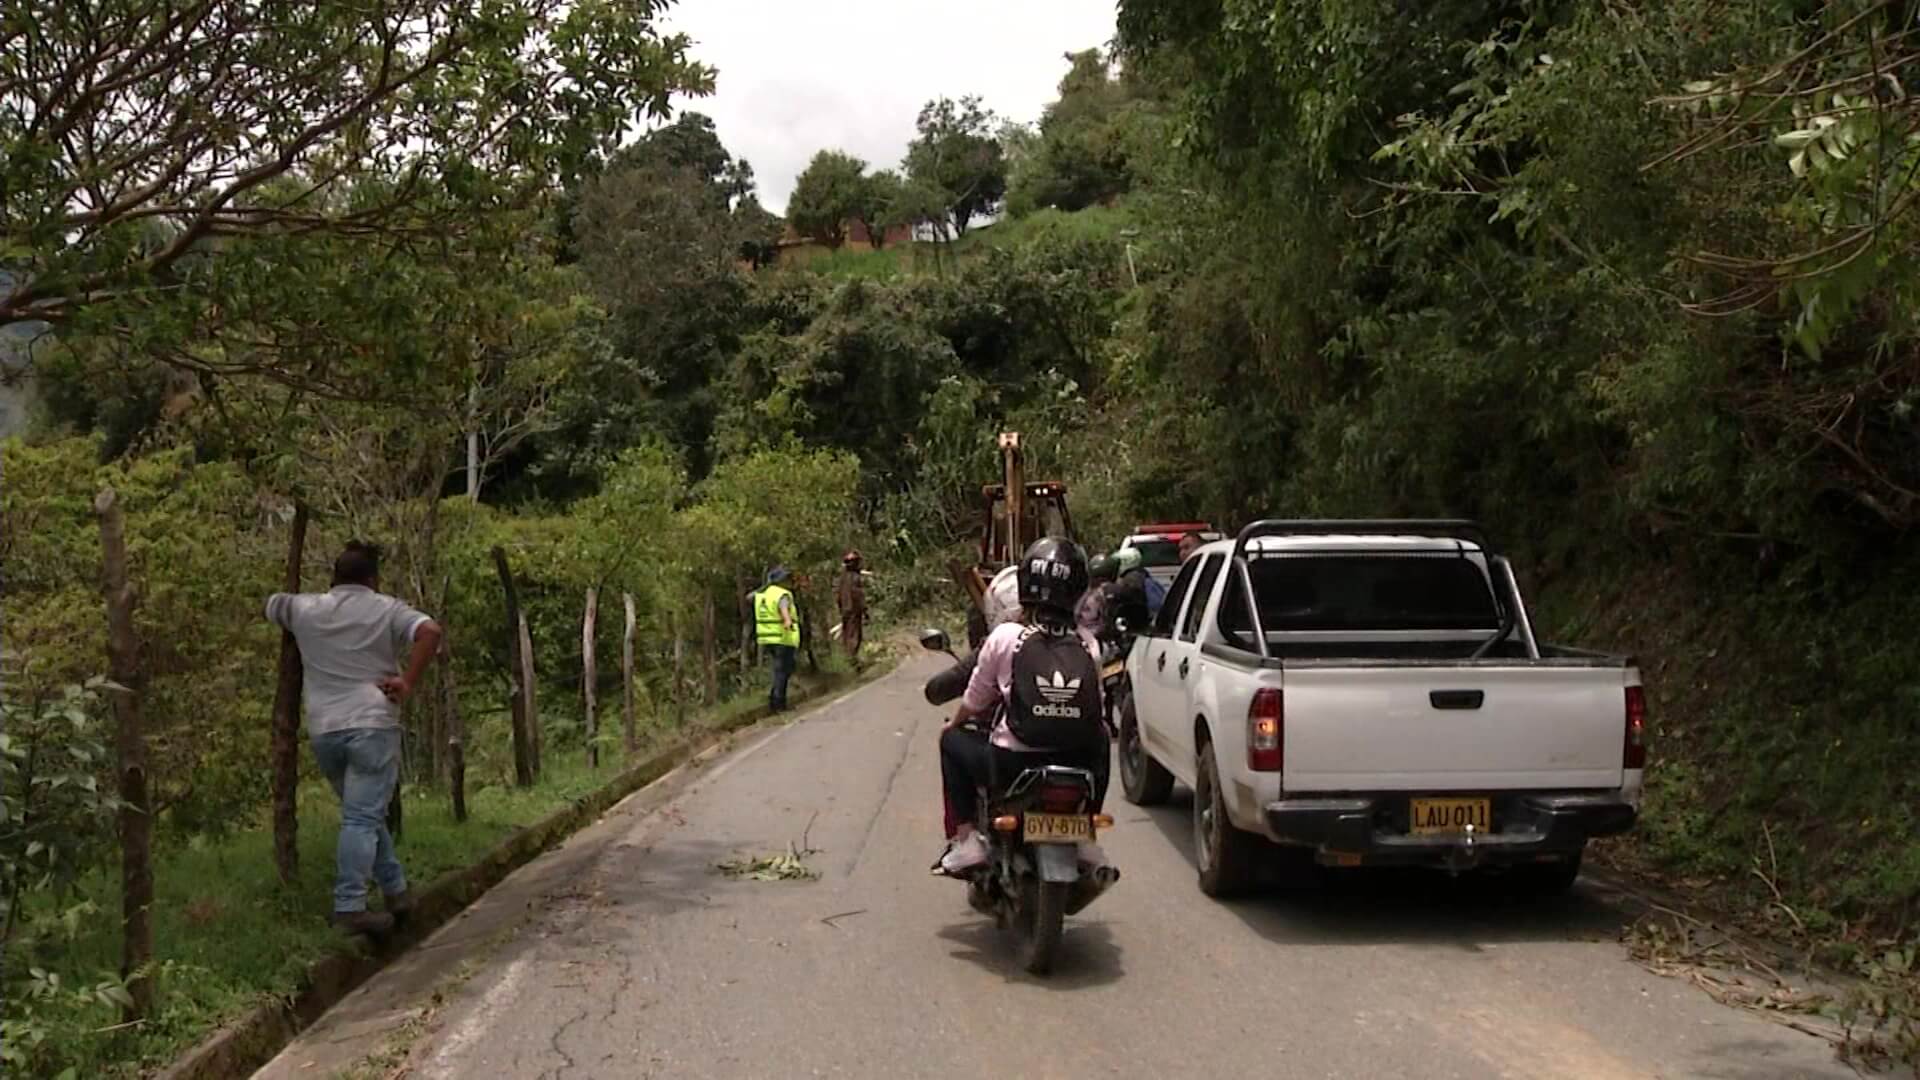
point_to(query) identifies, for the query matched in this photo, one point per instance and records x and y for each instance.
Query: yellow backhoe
(1016, 512)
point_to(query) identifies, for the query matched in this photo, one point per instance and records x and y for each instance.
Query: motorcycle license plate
(1447, 817)
(1113, 669)
(1058, 828)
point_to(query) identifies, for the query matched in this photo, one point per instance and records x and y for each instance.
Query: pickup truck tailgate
(1379, 727)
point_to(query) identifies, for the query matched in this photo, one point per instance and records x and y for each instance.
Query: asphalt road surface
(645, 962)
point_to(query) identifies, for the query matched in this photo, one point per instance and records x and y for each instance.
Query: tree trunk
(426, 740)
(712, 660)
(589, 676)
(536, 735)
(807, 627)
(679, 670)
(284, 747)
(743, 599)
(456, 729)
(473, 442)
(516, 667)
(136, 802)
(473, 466)
(628, 726)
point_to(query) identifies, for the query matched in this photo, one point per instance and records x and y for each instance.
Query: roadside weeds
(249, 1041)
(1871, 1017)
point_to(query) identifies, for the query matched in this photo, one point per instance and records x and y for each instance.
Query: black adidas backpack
(1056, 693)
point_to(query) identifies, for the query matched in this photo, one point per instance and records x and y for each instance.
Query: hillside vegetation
(1632, 283)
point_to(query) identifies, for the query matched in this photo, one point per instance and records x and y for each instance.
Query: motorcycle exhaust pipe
(1090, 887)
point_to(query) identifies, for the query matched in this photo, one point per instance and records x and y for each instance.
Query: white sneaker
(965, 855)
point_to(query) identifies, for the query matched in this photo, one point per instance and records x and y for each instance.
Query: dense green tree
(882, 205)
(828, 196)
(1078, 155)
(759, 230)
(958, 153)
(144, 144)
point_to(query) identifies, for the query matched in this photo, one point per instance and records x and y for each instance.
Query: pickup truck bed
(1376, 697)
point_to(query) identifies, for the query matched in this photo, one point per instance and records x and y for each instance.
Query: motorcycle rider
(1095, 612)
(1052, 576)
(1135, 595)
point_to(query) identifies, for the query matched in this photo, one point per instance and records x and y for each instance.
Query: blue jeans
(785, 657)
(363, 765)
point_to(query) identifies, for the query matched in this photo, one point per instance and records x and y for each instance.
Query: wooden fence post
(284, 746)
(629, 728)
(516, 667)
(743, 600)
(712, 647)
(807, 628)
(456, 727)
(679, 669)
(589, 674)
(536, 736)
(136, 802)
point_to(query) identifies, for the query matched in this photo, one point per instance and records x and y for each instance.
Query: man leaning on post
(362, 654)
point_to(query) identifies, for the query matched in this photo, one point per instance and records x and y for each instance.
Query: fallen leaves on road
(1684, 947)
(1872, 1021)
(789, 865)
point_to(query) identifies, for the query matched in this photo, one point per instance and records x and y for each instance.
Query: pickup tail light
(1635, 755)
(1266, 731)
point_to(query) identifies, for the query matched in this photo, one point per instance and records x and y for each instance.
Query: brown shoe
(371, 923)
(400, 906)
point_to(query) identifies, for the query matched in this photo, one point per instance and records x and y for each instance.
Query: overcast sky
(797, 76)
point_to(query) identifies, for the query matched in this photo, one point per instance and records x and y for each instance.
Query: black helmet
(1103, 568)
(1053, 574)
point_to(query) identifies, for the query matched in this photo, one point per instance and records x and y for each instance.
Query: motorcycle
(1035, 825)
(1116, 687)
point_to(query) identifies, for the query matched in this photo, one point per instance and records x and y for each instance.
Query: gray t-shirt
(350, 638)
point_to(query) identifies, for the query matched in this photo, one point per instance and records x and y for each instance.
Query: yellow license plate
(1432, 817)
(1113, 669)
(1058, 828)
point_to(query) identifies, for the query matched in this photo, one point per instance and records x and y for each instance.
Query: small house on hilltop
(795, 247)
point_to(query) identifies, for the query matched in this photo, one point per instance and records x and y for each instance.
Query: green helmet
(1103, 568)
(1128, 560)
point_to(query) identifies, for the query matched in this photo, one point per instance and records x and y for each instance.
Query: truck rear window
(1157, 552)
(1362, 592)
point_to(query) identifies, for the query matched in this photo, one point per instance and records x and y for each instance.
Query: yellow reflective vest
(768, 629)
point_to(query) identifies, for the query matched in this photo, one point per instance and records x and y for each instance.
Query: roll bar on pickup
(1446, 528)
(1512, 608)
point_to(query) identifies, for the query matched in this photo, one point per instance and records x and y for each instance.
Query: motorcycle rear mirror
(935, 640)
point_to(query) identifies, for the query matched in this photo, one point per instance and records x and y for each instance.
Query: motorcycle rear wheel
(1043, 919)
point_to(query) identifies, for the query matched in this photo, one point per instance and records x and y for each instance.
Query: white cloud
(798, 76)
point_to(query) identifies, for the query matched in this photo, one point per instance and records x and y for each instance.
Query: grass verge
(229, 936)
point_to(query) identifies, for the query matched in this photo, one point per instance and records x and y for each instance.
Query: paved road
(646, 963)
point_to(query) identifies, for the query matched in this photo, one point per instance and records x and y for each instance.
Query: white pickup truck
(1372, 693)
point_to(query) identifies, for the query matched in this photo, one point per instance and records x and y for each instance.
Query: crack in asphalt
(554, 1043)
(893, 778)
(626, 985)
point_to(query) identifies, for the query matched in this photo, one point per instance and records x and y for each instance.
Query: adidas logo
(1062, 689)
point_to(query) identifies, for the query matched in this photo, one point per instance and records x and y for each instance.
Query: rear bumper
(1526, 828)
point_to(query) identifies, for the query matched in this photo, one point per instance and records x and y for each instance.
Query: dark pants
(969, 762)
(852, 629)
(784, 658)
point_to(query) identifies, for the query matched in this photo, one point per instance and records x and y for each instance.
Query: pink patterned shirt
(992, 681)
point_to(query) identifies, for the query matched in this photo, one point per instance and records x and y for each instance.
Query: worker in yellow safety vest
(777, 629)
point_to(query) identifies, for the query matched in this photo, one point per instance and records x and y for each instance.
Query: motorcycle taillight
(1060, 797)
